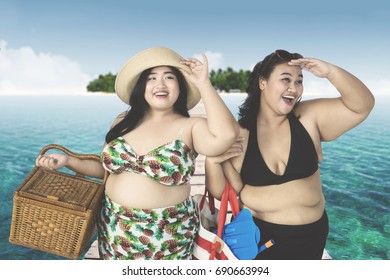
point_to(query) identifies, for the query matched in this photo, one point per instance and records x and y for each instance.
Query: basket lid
(58, 188)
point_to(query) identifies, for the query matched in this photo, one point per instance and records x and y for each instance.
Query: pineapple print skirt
(147, 234)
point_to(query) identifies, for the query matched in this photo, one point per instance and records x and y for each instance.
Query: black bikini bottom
(294, 242)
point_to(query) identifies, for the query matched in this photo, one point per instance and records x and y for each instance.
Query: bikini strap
(181, 129)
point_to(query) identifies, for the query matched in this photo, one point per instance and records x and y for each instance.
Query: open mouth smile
(161, 94)
(289, 99)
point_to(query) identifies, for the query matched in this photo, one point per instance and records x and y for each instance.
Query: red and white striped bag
(209, 245)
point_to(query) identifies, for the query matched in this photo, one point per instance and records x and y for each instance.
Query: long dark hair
(263, 69)
(139, 107)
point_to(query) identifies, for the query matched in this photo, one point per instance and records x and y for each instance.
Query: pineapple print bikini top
(171, 164)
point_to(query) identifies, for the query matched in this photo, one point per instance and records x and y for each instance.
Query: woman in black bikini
(274, 164)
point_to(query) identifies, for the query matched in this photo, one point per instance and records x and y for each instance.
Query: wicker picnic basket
(56, 212)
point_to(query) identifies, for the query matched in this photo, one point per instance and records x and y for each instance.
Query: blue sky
(59, 46)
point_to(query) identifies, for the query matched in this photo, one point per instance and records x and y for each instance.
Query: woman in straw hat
(275, 165)
(150, 154)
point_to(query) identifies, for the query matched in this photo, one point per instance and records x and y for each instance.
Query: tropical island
(223, 80)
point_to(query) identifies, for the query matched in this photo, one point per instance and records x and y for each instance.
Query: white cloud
(215, 59)
(322, 87)
(381, 87)
(23, 71)
(316, 87)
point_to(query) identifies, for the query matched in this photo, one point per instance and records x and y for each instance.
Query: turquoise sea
(355, 171)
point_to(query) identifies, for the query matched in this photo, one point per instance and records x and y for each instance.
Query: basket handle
(70, 153)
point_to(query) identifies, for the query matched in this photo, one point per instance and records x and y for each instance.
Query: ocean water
(355, 171)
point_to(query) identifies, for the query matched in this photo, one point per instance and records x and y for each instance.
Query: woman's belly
(138, 191)
(293, 203)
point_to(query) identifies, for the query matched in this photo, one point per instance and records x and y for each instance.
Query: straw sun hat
(153, 57)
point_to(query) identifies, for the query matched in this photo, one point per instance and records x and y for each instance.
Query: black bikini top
(302, 162)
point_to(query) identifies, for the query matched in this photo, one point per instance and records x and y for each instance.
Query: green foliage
(229, 79)
(223, 80)
(104, 83)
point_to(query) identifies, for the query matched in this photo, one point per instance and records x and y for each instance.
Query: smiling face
(162, 88)
(283, 88)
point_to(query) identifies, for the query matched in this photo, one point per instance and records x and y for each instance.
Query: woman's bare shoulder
(194, 121)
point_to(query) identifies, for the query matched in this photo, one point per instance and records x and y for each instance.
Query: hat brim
(153, 57)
